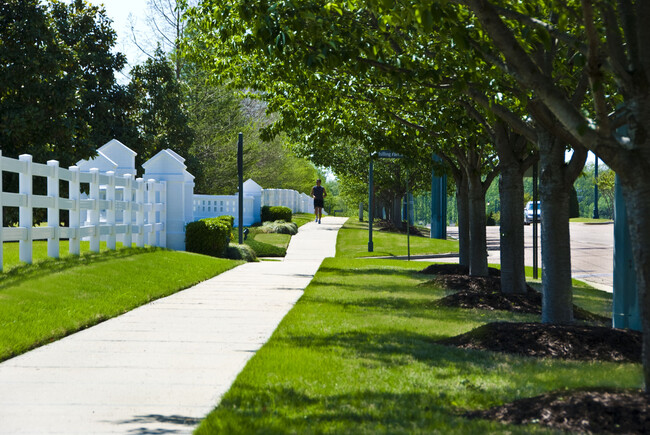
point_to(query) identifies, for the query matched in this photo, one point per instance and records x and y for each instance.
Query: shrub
(274, 213)
(489, 220)
(265, 249)
(209, 236)
(280, 227)
(236, 251)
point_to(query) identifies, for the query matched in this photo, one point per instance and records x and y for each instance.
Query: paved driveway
(592, 251)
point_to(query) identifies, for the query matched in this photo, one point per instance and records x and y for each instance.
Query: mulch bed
(589, 411)
(485, 293)
(578, 342)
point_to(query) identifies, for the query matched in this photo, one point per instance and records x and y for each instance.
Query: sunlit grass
(268, 245)
(590, 220)
(353, 242)
(358, 354)
(52, 298)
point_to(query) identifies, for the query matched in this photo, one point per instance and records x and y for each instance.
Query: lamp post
(596, 214)
(240, 171)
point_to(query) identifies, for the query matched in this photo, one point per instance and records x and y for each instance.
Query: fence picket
(110, 211)
(53, 212)
(25, 213)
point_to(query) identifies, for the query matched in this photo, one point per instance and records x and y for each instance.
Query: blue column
(438, 204)
(626, 311)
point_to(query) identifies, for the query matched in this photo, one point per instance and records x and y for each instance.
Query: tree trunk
(477, 237)
(635, 185)
(462, 204)
(511, 191)
(396, 212)
(557, 291)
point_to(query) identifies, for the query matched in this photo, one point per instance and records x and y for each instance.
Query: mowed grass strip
(353, 242)
(357, 354)
(50, 299)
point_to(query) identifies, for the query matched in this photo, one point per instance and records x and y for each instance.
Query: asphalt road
(592, 251)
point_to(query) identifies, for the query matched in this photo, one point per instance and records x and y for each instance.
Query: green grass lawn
(590, 220)
(302, 218)
(274, 245)
(357, 354)
(50, 299)
(353, 242)
(268, 244)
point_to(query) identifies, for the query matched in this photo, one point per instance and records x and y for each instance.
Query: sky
(119, 11)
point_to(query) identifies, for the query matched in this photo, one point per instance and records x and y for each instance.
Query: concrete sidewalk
(161, 367)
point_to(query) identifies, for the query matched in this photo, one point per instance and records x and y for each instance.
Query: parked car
(528, 213)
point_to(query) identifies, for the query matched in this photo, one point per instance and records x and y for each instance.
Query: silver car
(528, 213)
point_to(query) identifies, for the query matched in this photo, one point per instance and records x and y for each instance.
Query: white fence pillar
(25, 215)
(94, 211)
(53, 218)
(128, 210)
(139, 214)
(111, 241)
(168, 166)
(163, 214)
(75, 196)
(151, 212)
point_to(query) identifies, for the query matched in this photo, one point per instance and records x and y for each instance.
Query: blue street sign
(387, 154)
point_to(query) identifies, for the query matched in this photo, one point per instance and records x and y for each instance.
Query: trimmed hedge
(209, 236)
(274, 213)
(240, 252)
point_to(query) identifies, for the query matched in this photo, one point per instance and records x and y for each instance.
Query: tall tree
(159, 110)
(56, 78)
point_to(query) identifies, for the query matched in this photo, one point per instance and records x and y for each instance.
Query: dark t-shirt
(318, 192)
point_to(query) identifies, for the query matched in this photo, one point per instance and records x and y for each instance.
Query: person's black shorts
(318, 202)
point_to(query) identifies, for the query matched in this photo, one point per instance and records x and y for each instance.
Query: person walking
(319, 194)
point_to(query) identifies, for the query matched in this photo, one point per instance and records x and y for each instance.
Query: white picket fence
(296, 201)
(207, 206)
(130, 209)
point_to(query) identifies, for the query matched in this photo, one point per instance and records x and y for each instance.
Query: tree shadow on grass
(279, 410)
(54, 265)
(399, 348)
(419, 307)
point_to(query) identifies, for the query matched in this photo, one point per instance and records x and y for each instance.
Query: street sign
(387, 154)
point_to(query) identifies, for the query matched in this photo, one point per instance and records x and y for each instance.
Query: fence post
(74, 189)
(163, 214)
(25, 214)
(53, 218)
(139, 214)
(1, 218)
(128, 210)
(110, 211)
(94, 212)
(151, 215)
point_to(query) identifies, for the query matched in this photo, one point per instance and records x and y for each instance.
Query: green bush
(489, 220)
(274, 213)
(265, 249)
(280, 227)
(236, 251)
(209, 236)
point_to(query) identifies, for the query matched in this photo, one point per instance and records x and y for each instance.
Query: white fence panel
(208, 206)
(106, 212)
